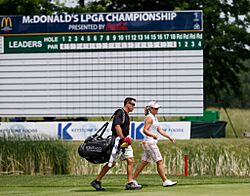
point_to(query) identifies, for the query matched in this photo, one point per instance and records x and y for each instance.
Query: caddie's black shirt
(121, 118)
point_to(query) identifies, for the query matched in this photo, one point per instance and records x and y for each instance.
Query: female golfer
(151, 150)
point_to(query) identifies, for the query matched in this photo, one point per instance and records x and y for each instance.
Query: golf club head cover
(126, 141)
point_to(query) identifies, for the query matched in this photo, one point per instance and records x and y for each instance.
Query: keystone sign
(81, 130)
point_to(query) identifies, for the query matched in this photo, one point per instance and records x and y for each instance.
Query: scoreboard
(86, 64)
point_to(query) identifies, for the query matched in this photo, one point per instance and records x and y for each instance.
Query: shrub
(33, 157)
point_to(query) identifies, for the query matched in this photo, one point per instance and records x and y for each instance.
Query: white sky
(71, 3)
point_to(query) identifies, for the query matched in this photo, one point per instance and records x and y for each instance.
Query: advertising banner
(103, 22)
(78, 131)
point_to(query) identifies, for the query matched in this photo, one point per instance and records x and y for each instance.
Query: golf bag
(97, 149)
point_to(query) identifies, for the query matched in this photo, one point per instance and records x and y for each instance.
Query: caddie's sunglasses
(133, 104)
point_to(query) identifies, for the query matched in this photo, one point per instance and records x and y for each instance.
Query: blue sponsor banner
(103, 22)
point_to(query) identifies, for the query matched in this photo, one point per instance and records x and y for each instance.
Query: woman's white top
(152, 129)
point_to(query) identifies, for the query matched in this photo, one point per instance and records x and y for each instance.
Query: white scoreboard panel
(96, 83)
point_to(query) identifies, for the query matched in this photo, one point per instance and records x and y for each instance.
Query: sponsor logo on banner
(28, 130)
(63, 131)
(78, 131)
(6, 24)
(17, 130)
(121, 26)
(179, 130)
(136, 130)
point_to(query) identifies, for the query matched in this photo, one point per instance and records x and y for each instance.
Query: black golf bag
(97, 149)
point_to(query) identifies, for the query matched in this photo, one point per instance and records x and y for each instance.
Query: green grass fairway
(79, 185)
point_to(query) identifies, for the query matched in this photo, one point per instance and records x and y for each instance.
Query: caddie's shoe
(133, 185)
(169, 183)
(97, 185)
(134, 181)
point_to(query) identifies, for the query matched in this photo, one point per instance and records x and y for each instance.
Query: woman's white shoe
(169, 183)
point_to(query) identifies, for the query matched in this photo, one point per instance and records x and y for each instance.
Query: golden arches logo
(6, 24)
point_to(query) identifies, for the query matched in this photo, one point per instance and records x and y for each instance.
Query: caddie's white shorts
(151, 152)
(119, 153)
(128, 153)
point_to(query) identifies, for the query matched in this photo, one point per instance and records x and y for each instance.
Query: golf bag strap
(104, 127)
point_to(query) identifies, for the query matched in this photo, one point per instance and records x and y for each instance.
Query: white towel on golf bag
(115, 153)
